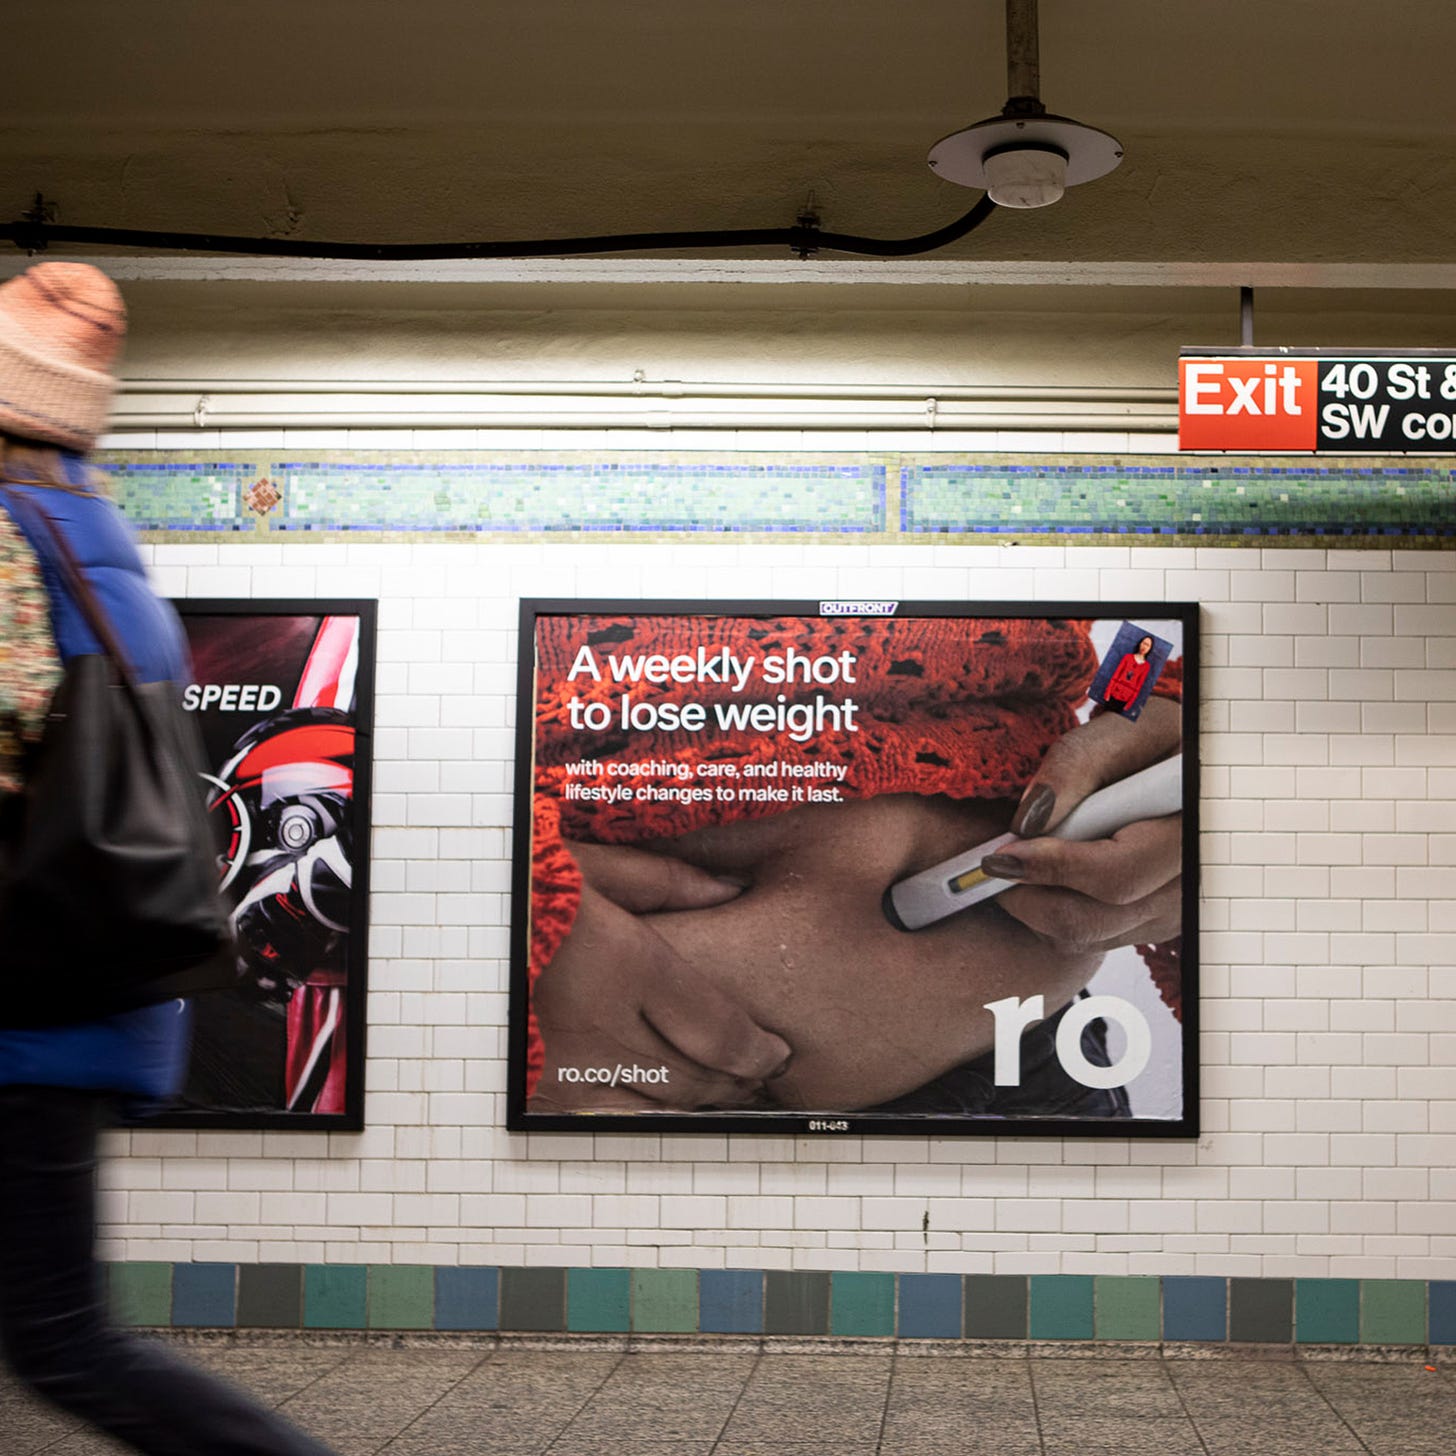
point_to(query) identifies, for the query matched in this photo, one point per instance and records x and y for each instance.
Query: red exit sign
(1248, 404)
(1317, 400)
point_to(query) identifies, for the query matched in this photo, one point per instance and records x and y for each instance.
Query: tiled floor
(737, 1398)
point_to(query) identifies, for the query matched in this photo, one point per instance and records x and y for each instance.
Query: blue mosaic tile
(467, 1299)
(1443, 1312)
(930, 1306)
(1195, 1307)
(730, 1301)
(204, 1295)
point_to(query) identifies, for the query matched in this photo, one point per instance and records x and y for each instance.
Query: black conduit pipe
(35, 236)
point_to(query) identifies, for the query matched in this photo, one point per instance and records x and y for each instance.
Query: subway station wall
(1329, 861)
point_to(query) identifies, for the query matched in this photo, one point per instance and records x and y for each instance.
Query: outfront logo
(857, 609)
(1248, 404)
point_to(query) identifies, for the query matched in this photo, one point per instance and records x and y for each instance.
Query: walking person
(61, 326)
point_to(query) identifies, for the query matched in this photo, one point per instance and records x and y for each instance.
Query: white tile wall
(1329, 994)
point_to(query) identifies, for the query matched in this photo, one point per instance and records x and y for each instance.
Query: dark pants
(53, 1325)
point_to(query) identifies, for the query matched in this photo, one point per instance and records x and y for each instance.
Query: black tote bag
(108, 869)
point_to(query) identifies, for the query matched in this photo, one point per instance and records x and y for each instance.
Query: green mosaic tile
(141, 1293)
(609, 494)
(861, 1304)
(665, 1301)
(401, 1297)
(335, 1296)
(1326, 1311)
(1126, 1308)
(1061, 1307)
(1177, 496)
(1392, 1311)
(180, 495)
(598, 1300)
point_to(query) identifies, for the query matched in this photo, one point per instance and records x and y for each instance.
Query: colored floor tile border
(424, 495)
(1037, 1307)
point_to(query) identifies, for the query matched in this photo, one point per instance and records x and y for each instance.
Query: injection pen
(956, 884)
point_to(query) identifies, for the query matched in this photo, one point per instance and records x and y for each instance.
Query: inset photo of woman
(1129, 670)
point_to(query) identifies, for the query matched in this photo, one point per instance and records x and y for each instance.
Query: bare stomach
(871, 1012)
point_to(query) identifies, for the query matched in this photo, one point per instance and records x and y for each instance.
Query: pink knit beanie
(61, 328)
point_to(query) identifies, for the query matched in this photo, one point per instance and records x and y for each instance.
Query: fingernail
(1034, 811)
(729, 883)
(782, 1067)
(1003, 866)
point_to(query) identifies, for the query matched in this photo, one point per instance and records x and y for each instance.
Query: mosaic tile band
(1218, 501)
(780, 1302)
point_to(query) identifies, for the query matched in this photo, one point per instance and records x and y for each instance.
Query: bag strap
(80, 588)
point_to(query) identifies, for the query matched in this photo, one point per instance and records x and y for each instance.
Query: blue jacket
(142, 1052)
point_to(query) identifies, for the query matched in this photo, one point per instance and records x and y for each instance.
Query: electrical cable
(34, 234)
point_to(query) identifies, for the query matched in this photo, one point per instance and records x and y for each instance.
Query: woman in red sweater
(1126, 684)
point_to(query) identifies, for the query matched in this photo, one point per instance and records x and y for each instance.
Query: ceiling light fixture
(1025, 157)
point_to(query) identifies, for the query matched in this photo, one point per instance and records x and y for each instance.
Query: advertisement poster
(765, 878)
(283, 693)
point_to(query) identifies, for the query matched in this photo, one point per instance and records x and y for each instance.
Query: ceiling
(1306, 148)
(1316, 132)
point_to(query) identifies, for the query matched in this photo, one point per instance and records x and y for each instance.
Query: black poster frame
(356, 954)
(791, 1122)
